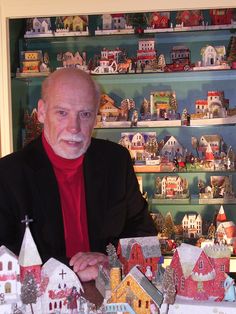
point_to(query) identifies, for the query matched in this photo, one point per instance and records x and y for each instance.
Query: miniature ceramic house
(200, 272)
(192, 225)
(189, 17)
(161, 103)
(221, 16)
(219, 190)
(108, 110)
(9, 273)
(215, 106)
(159, 20)
(61, 279)
(215, 141)
(213, 55)
(146, 53)
(141, 145)
(172, 187)
(144, 252)
(135, 291)
(171, 148)
(52, 284)
(106, 21)
(38, 26)
(118, 21)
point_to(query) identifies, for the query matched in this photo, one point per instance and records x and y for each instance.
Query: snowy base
(183, 306)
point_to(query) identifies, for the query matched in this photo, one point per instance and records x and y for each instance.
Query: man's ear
(41, 110)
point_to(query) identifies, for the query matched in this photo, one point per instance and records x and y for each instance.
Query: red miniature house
(141, 252)
(221, 16)
(199, 273)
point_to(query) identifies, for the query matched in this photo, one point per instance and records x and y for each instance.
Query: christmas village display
(144, 57)
(210, 153)
(135, 281)
(194, 229)
(129, 23)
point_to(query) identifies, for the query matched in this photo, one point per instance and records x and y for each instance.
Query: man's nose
(73, 124)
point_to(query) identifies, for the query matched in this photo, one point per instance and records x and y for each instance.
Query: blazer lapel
(95, 174)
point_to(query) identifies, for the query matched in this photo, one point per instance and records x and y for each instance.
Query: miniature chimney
(115, 277)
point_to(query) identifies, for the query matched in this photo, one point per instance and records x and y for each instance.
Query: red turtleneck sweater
(70, 179)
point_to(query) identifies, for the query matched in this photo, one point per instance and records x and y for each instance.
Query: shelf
(161, 77)
(166, 169)
(193, 200)
(167, 123)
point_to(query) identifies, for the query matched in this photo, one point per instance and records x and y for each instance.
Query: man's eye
(62, 113)
(85, 115)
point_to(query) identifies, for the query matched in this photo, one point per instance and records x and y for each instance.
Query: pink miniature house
(200, 272)
(144, 252)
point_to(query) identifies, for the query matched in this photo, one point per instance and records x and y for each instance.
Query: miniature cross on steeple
(26, 221)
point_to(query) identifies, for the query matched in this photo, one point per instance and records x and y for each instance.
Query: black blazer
(115, 207)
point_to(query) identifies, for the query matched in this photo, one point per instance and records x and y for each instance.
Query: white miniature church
(56, 284)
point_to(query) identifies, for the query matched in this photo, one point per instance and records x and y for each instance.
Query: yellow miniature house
(31, 61)
(135, 289)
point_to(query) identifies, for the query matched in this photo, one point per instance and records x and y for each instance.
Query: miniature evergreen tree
(168, 229)
(113, 258)
(168, 286)
(29, 290)
(195, 144)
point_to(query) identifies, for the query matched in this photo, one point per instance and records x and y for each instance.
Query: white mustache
(72, 138)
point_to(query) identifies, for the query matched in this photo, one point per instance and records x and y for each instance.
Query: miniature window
(55, 305)
(128, 283)
(59, 286)
(0, 265)
(10, 265)
(60, 305)
(147, 304)
(64, 285)
(182, 283)
(50, 306)
(8, 287)
(222, 284)
(139, 303)
(222, 268)
(200, 265)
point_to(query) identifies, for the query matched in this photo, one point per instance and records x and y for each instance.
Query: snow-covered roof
(29, 255)
(150, 246)
(217, 250)
(53, 266)
(188, 256)
(146, 285)
(5, 250)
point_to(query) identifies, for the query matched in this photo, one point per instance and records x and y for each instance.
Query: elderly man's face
(69, 115)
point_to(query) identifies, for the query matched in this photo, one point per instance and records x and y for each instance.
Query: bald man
(81, 192)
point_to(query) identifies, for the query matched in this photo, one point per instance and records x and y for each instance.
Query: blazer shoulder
(108, 147)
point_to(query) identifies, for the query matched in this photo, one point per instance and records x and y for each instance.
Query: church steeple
(29, 258)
